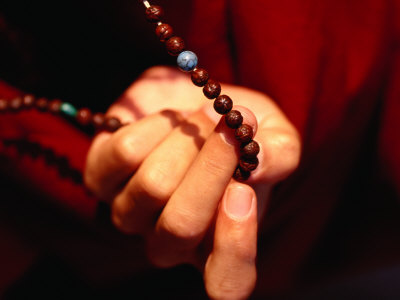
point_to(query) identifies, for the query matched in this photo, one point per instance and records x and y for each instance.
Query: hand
(168, 176)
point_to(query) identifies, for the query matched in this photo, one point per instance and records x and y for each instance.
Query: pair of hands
(168, 176)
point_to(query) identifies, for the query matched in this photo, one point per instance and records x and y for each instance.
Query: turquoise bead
(68, 109)
(187, 61)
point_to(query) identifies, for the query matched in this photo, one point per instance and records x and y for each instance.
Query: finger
(280, 150)
(230, 271)
(134, 210)
(191, 208)
(113, 158)
(279, 141)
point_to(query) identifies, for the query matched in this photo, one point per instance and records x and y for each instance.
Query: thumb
(230, 271)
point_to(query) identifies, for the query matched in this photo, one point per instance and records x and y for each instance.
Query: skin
(167, 176)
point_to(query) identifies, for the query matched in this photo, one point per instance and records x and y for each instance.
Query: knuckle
(287, 152)
(290, 148)
(214, 166)
(121, 219)
(156, 184)
(91, 181)
(123, 150)
(181, 230)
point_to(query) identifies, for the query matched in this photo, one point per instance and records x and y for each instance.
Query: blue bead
(187, 61)
(68, 109)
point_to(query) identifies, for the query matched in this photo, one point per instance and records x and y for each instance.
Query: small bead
(84, 116)
(250, 149)
(154, 13)
(164, 32)
(248, 164)
(212, 89)
(200, 77)
(15, 104)
(3, 105)
(241, 175)
(223, 104)
(175, 45)
(233, 119)
(55, 106)
(112, 124)
(68, 109)
(28, 101)
(187, 61)
(244, 133)
(42, 104)
(98, 120)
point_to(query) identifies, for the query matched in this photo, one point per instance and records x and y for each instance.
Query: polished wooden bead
(84, 116)
(3, 105)
(112, 124)
(175, 45)
(223, 104)
(199, 77)
(244, 133)
(98, 120)
(15, 104)
(164, 32)
(28, 101)
(233, 119)
(212, 89)
(42, 104)
(54, 106)
(248, 164)
(154, 13)
(241, 175)
(250, 149)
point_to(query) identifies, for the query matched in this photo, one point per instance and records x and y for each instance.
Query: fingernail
(238, 202)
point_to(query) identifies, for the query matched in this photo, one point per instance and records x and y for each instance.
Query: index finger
(190, 210)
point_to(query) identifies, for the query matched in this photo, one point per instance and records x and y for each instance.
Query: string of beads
(83, 116)
(187, 61)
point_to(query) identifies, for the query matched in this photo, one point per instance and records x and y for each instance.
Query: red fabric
(330, 65)
(53, 133)
(327, 64)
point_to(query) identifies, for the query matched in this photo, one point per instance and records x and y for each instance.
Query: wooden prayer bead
(84, 116)
(54, 106)
(241, 175)
(248, 164)
(154, 13)
(175, 45)
(199, 77)
(98, 120)
(244, 133)
(42, 104)
(212, 89)
(112, 124)
(223, 104)
(250, 149)
(233, 119)
(164, 32)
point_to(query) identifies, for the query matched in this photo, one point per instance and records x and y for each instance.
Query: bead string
(83, 116)
(187, 62)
